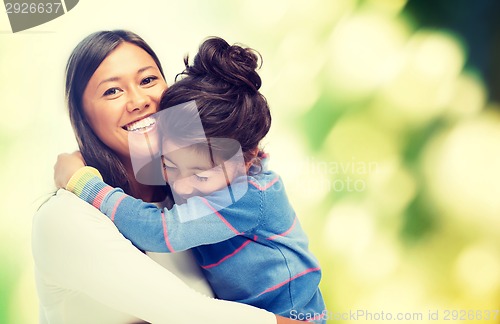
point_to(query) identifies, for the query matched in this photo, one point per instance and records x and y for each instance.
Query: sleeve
(79, 249)
(199, 221)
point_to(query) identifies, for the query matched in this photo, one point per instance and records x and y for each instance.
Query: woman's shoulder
(62, 218)
(60, 198)
(61, 208)
(66, 216)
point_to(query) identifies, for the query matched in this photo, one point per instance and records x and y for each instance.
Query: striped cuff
(80, 178)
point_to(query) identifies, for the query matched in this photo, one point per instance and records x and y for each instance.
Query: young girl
(232, 211)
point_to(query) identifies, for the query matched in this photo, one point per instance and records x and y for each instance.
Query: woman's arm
(80, 249)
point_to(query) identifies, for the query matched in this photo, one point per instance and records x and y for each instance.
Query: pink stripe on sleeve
(262, 188)
(220, 216)
(286, 232)
(281, 284)
(97, 202)
(165, 233)
(116, 207)
(227, 256)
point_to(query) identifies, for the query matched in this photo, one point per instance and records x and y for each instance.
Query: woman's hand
(66, 165)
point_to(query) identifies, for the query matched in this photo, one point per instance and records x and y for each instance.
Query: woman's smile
(142, 125)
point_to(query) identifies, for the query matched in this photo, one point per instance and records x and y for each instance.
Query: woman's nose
(138, 100)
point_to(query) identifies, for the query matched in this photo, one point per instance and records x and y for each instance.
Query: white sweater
(87, 272)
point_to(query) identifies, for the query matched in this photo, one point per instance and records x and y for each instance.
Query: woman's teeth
(141, 125)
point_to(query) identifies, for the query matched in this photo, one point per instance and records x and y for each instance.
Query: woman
(86, 271)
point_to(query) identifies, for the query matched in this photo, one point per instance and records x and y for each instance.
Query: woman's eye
(148, 80)
(110, 92)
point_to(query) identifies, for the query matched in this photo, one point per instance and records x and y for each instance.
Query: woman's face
(120, 96)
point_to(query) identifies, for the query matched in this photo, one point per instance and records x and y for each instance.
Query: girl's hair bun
(233, 64)
(223, 82)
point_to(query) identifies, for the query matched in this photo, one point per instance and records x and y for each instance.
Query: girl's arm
(88, 255)
(198, 222)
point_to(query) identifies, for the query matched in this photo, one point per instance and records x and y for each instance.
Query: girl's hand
(66, 165)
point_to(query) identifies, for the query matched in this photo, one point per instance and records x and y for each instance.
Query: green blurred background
(386, 132)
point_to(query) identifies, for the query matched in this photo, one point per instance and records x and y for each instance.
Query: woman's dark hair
(224, 83)
(83, 62)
